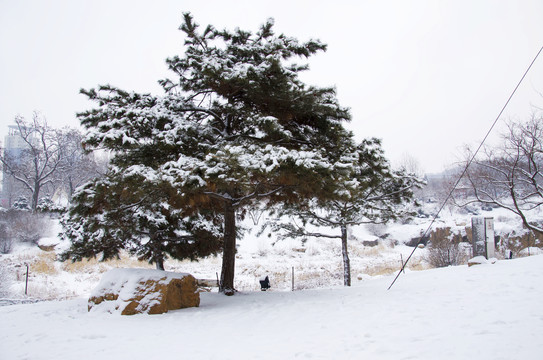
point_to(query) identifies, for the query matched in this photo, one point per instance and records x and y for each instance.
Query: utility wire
(466, 168)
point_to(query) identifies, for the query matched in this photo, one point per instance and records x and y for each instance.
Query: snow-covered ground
(490, 311)
(483, 312)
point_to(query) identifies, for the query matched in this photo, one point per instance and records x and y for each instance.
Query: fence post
(26, 284)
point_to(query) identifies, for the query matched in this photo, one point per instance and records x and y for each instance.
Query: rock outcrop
(135, 291)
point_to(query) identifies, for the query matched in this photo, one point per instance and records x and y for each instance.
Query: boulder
(48, 244)
(370, 243)
(135, 291)
(478, 260)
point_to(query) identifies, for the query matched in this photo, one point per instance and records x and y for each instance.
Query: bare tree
(410, 165)
(36, 162)
(510, 176)
(440, 186)
(77, 166)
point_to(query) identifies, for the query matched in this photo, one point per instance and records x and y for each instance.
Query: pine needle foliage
(234, 126)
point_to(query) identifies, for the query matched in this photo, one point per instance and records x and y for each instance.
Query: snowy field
(482, 312)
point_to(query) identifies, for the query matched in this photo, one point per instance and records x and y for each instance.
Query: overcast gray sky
(426, 77)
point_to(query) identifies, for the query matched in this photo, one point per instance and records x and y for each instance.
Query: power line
(466, 168)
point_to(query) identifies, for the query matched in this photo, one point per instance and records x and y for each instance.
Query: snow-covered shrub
(446, 248)
(6, 238)
(24, 226)
(29, 227)
(46, 205)
(6, 241)
(21, 203)
(263, 246)
(379, 230)
(5, 281)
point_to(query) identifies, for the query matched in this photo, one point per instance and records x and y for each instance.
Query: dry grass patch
(362, 251)
(380, 269)
(44, 264)
(93, 264)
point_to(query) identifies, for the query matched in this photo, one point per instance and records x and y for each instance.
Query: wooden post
(26, 285)
(401, 260)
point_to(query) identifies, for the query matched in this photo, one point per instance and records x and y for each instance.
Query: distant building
(14, 145)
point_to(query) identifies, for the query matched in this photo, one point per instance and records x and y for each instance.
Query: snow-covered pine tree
(365, 190)
(270, 136)
(133, 207)
(236, 126)
(140, 215)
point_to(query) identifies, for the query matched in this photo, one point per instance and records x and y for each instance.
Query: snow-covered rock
(479, 260)
(48, 243)
(134, 291)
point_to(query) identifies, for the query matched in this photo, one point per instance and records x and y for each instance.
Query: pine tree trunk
(158, 255)
(159, 262)
(346, 261)
(229, 251)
